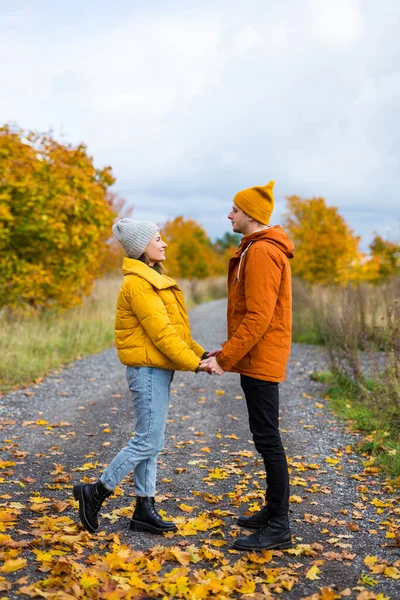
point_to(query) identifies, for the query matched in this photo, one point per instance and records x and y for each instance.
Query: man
(258, 347)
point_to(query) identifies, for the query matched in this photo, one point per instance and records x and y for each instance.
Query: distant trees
(385, 259)
(189, 254)
(326, 249)
(56, 212)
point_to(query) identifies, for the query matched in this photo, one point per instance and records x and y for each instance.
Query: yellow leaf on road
(14, 564)
(186, 508)
(313, 573)
(296, 499)
(392, 572)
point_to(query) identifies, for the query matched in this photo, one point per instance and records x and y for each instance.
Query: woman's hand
(211, 366)
(202, 368)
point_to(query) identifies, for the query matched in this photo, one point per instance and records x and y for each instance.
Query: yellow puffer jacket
(152, 326)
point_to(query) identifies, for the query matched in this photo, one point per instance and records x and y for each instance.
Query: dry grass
(361, 331)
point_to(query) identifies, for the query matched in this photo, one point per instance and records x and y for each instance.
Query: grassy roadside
(380, 428)
(34, 347)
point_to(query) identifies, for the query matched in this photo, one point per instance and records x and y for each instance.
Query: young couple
(153, 340)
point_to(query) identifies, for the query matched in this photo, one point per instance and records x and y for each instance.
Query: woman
(153, 340)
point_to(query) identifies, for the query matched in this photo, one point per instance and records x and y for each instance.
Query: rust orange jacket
(259, 306)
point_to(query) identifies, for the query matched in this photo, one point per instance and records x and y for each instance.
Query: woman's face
(155, 250)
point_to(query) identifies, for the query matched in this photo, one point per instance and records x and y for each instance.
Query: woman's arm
(153, 317)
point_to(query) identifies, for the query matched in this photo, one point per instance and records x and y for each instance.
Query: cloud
(190, 102)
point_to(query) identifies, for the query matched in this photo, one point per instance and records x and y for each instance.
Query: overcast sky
(190, 101)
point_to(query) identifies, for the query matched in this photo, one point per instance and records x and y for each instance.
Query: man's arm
(263, 273)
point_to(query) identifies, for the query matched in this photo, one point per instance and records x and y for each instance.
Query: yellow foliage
(326, 249)
(190, 253)
(56, 213)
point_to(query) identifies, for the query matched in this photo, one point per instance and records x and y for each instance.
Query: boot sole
(282, 546)
(77, 491)
(140, 526)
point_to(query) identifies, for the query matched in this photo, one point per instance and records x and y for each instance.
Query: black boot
(275, 535)
(146, 518)
(256, 521)
(90, 496)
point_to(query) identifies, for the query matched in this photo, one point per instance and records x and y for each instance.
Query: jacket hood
(274, 235)
(131, 266)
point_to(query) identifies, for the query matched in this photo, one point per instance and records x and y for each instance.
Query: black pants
(262, 399)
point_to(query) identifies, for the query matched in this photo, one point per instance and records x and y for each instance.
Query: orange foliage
(190, 254)
(56, 213)
(326, 249)
(385, 259)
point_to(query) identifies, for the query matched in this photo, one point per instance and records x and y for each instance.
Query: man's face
(239, 220)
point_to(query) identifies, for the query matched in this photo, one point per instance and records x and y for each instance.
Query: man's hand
(203, 367)
(211, 366)
(214, 352)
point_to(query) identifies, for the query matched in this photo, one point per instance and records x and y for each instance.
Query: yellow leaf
(392, 572)
(218, 473)
(88, 581)
(379, 503)
(47, 556)
(313, 573)
(14, 564)
(248, 587)
(331, 461)
(205, 449)
(217, 543)
(296, 499)
(186, 508)
(264, 557)
(219, 392)
(38, 500)
(370, 560)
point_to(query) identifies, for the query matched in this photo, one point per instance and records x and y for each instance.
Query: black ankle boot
(256, 521)
(90, 496)
(275, 535)
(146, 518)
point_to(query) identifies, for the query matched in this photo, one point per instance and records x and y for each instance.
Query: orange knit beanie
(257, 202)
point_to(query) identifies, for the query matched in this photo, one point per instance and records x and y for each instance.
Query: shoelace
(154, 511)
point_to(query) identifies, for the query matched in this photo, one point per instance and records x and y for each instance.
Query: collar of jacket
(247, 240)
(131, 266)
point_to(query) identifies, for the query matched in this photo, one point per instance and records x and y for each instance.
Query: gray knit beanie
(134, 236)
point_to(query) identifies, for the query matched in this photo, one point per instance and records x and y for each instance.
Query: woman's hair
(157, 266)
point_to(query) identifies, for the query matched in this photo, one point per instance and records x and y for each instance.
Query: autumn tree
(227, 242)
(385, 258)
(56, 212)
(225, 247)
(326, 249)
(189, 254)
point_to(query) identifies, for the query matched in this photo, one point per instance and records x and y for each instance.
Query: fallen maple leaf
(313, 573)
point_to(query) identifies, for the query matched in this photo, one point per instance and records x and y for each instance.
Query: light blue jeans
(150, 389)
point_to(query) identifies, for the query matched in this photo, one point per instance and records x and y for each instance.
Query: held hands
(210, 365)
